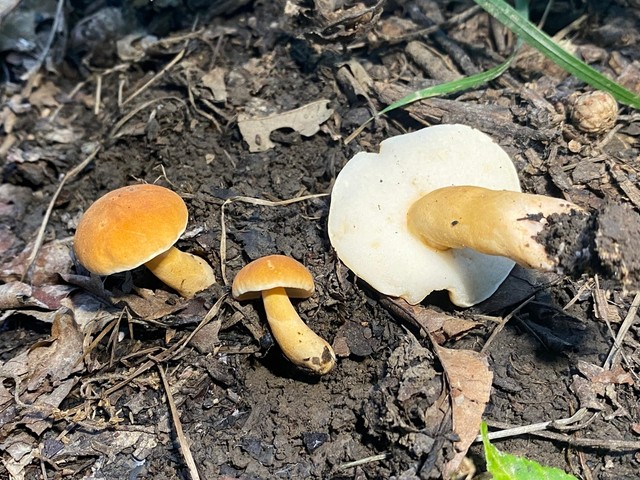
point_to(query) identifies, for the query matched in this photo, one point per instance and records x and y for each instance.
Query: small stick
(535, 427)
(607, 444)
(183, 442)
(364, 461)
(629, 320)
(502, 324)
(45, 221)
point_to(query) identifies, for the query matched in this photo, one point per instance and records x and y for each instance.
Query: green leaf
(450, 87)
(539, 40)
(504, 466)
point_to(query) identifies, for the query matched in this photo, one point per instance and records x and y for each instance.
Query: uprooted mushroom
(442, 209)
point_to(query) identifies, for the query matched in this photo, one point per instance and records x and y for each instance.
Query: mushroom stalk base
(187, 274)
(495, 222)
(297, 341)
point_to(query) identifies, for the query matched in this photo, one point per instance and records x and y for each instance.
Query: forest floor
(243, 110)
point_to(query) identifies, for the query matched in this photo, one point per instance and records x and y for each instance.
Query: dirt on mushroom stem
(604, 242)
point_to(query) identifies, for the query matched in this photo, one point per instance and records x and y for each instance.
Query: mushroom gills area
(187, 274)
(372, 194)
(297, 341)
(494, 222)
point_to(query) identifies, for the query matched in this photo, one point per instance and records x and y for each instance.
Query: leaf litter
(103, 379)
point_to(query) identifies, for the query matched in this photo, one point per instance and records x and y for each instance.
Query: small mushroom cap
(371, 196)
(128, 227)
(270, 272)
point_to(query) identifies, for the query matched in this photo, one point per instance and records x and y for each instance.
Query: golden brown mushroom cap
(128, 227)
(270, 272)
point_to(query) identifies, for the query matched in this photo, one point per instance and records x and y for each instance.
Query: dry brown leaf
(58, 357)
(470, 384)
(149, 305)
(305, 120)
(89, 311)
(53, 259)
(108, 443)
(440, 326)
(133, 47)
(214, 81)
(42, 376)
(45, 95)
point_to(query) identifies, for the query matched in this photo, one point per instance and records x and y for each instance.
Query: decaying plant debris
(122, 378)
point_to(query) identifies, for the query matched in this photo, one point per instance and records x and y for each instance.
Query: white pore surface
(371, 197)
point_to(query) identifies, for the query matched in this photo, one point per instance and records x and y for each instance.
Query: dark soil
(246, 412)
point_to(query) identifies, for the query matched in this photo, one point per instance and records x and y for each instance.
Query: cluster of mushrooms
(436, 209)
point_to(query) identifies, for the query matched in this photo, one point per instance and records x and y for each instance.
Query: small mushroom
(437, 209)
(137, 225)
(276, 278)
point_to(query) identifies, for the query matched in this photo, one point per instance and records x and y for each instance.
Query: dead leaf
(470, 386)
(7, 119)
(44, 96)
(42, 375)
(440, 326)
(214, 81)
(149, 305)
(133, 47)
(107, 443)
(60, 357)
(53, 259)
(89, 312)
(305, 120)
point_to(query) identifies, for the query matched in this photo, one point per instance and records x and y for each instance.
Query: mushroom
(276, 278)
(438, 209)
(137, 225)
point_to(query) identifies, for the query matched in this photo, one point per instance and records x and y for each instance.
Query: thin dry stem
(45, 221)
(183, 441)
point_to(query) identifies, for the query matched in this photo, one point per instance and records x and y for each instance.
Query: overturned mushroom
(275, 278)
(137, 225)
(438, 209)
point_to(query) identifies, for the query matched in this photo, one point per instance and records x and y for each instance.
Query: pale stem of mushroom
(187, 274)
(495, 222)
(297, 341)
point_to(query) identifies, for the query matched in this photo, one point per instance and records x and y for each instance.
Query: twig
(606, 444)
(535, 427)
(254, 201)
(363, 461)
(183, 442)
(45, 221)
(113, 134)
(502, 324)
(175, 60)
(168, 353)
(29, 76)
(629, 320)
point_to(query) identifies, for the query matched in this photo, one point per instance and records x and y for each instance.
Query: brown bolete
(138, 225)
(438, 209)
(276, 278)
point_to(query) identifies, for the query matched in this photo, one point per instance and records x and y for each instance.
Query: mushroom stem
(494, 222)
(297, 341)
(187, 274)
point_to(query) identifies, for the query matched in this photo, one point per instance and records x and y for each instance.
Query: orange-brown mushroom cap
(128, 227)
(270, 272)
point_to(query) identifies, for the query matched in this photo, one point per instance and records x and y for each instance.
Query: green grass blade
(539, 40)
(441, 89)
(450, 87)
